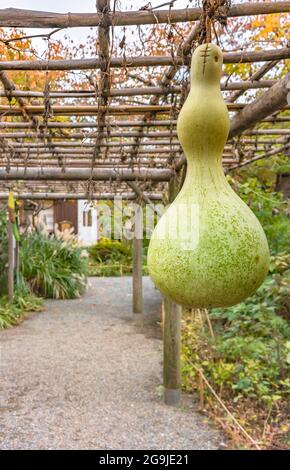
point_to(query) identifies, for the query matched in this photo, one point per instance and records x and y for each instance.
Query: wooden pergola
(110, 147)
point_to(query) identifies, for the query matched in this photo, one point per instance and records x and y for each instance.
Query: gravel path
(81, 375)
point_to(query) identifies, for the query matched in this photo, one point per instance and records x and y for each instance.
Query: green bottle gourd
(208, 249)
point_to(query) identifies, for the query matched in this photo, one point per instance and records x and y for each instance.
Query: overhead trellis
(123, 141)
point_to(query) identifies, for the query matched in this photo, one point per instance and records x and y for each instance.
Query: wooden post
(137, 262)
(171, 353)
(172, 333)
(10, 260)
(17, 260)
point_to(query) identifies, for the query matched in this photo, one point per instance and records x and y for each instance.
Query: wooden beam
(142, 196)
(93, 109)
(142, 61)
(68, 195)
(275, 119)
(88, 146)
(255, 77)
(282, 149)
(159, 138)
(271, 131)
(134, 91)
(10, 87)
(272, 100)
(157, 150)
(38, 152)
(83, 174)
(150, 146)
(85, 164)
(47, 159)
(90, 109)
(132, 123)
(150, 135)
(85, 147)
(89, 124)
(254, 148)
(14, 17)
(116, 143)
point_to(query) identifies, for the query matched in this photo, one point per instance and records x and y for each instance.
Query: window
(87, 218)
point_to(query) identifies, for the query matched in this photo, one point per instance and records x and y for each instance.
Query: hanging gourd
(208, 249)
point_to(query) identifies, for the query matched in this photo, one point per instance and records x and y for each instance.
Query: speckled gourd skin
(227, 256)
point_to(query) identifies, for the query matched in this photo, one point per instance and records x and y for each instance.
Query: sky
(58, 6)
(84, 5)
(79, 6)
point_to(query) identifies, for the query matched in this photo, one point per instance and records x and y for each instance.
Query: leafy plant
(112, 258)
(112, 250)
(271, 209)
(246, 355)
(12, 312)
(53, 268)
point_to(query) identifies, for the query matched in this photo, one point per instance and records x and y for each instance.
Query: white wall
(88, 235)
(45, 216)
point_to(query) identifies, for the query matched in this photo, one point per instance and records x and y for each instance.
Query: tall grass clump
(53, 268)
(110, 258)
(13, 311)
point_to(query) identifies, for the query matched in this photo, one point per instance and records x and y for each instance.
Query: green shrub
(12, 312)
(113, 258)
(110, 250)
(249, 357)
(271, 209)
(53, 268)
(110, 258)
